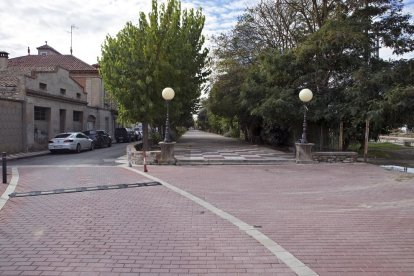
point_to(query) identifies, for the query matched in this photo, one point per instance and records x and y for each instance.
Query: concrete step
(183, 162)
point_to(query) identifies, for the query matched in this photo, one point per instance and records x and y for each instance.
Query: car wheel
(92, 146)
(78, 148)
(52, 151)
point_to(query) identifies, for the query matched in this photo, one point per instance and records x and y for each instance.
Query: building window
(62, 91)
(40, 113)
(78, 95)
(42, 86)
(77, 116)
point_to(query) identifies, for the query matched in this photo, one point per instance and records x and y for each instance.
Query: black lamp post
(305, 95)
(168, 95)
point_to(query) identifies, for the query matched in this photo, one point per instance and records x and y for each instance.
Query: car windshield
(63, 135)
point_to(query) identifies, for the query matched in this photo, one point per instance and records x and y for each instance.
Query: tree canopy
(165, 49)
(330, 47)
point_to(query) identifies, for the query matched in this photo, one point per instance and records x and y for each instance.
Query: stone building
(45, 94)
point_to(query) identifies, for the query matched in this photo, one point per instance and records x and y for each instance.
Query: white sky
(30, 23)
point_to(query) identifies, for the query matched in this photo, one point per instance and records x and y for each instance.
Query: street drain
(86, 189)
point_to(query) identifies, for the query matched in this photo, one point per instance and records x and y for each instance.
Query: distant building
(45, 94)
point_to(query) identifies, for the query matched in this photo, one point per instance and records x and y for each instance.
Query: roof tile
(67, 62)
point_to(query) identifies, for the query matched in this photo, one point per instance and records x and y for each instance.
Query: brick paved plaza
(352, 219)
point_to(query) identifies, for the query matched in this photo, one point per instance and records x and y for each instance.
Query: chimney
(4, 59)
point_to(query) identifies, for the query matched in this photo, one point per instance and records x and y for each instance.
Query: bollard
(4, 161)
(129, 157)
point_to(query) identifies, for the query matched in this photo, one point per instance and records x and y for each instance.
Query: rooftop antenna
(71, 32)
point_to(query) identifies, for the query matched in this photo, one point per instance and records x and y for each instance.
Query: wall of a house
(59, 106)
(11, 126)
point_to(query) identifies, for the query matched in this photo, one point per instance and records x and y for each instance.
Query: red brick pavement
(3, 187)
(135, 231)
(339, 219)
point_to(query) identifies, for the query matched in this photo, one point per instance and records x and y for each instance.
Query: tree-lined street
(292, 91)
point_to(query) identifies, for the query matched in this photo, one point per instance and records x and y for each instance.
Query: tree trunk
(321, 141)
(366, 140)
(341, 136)
(145, 144)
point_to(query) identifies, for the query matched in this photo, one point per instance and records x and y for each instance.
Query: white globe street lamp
(305, 95)
(168, 95)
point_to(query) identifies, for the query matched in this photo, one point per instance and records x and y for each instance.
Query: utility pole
(71, 32)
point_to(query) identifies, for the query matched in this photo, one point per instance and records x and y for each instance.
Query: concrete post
(304, 153)
(4, 162)
(167, 153)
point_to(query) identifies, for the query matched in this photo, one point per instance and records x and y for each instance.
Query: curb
(184, 162)
(25, 155)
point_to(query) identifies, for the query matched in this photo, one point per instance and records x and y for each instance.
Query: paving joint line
(282, 254)
(86, 189)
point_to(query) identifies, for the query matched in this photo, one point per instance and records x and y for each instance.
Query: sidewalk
(284, 220)
(21, 155)
(132, 231)
(202, 148)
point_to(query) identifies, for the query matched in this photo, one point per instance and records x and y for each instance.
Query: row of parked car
(124, 134)
(90, 139)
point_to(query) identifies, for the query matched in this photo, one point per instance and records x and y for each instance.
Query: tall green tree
(165, 49)
(330, 47)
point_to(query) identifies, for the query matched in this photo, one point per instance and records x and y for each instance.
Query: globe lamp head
(305, 95)
(168, 94)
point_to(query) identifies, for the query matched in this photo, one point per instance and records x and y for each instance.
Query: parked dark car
(138, 134)
(124, 134)
(100, 137)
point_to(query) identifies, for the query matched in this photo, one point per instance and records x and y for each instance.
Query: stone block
(137, 157)
(335, 157)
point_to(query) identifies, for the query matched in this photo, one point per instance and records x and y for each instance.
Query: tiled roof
(67, 62)
(47, 47)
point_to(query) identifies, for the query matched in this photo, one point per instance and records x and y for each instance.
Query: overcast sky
(30, 23)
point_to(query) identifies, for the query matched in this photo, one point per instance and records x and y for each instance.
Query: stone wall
(335, 157)
(11, 126)
(137, 157)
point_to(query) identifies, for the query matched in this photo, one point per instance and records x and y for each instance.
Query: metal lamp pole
(168, 95)
(305, 95)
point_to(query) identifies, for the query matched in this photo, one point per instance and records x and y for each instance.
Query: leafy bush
(155, 137)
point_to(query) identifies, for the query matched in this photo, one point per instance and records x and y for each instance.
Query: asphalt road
(99, 156)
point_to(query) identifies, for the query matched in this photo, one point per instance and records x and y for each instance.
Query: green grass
(377, 150)
(384, 146)
(382, 150)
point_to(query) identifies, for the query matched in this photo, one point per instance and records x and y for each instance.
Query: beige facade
(41, 97)
(11, 125)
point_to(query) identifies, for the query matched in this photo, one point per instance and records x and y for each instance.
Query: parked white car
(72, 141)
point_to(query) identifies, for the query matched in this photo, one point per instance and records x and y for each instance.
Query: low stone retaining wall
(335, 157)
(137, 157)
(401, 140)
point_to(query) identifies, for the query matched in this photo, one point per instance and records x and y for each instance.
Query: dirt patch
(405, 177)
(401, 157)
